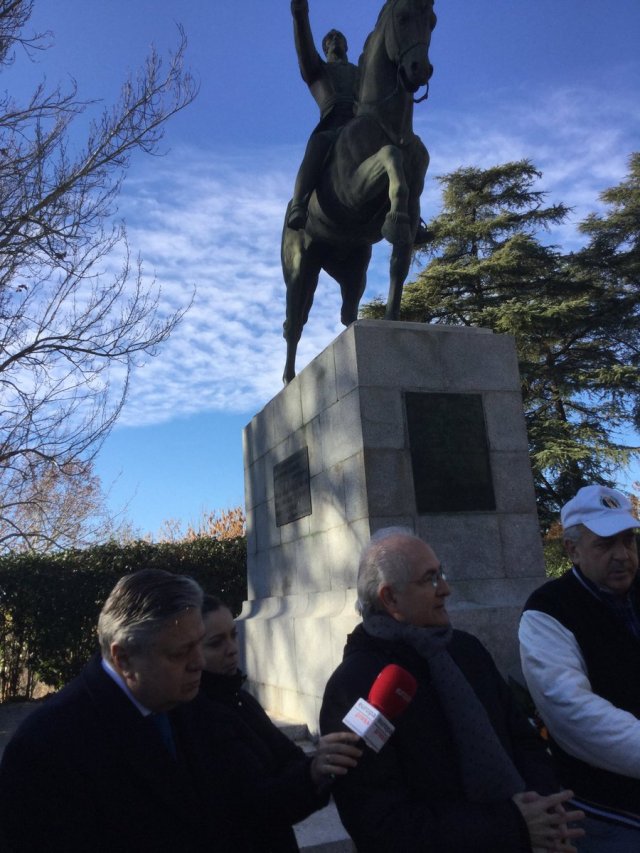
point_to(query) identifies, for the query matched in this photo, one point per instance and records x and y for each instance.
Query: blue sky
(556, 81)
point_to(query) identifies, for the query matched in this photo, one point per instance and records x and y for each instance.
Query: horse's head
(409, 24)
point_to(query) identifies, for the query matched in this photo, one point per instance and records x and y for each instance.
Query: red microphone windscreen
(392, 691)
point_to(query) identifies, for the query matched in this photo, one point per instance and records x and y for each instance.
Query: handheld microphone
(390, 694)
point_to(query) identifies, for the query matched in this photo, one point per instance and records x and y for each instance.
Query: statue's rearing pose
(333, 85)
(364, 167)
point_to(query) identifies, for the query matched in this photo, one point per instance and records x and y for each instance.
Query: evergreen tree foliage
(574, 316)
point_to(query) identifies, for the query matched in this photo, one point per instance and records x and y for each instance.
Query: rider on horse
(333, 85)
(369, 187)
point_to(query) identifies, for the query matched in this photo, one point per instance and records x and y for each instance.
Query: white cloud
(580, 139)
(212, 220)
(215, 223)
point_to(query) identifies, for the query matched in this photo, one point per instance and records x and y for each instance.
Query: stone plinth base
(337, 448)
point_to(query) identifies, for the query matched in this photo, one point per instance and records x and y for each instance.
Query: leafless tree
(230, 523)
(65, 506)
(69, 332)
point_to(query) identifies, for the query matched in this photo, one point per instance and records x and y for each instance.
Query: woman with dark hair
(305, 780)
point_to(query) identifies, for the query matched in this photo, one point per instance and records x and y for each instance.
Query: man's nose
(443, 588)
(197, 661)
(621, 550)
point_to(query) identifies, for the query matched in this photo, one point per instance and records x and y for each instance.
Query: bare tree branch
(69, 334)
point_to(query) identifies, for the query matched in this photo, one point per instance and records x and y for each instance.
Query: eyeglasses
(433, 578)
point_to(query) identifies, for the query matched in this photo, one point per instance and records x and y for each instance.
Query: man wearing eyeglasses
(464, 770)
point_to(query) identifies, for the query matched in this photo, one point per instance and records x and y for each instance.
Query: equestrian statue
(363, 170)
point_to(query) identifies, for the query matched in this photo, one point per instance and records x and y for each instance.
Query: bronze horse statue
(371, 184)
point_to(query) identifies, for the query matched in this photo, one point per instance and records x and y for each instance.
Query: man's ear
(571, 549)
(388, 598)
(121, 659)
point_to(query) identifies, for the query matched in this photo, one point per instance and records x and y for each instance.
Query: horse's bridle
(398, 63)
(399, 54)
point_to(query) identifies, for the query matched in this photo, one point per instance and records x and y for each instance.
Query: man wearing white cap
(580, 651)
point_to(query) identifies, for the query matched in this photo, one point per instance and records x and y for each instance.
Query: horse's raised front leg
(402, 252)
(387, 164)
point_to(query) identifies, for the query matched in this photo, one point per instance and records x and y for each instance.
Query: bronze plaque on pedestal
(449, 453)
(292, 488)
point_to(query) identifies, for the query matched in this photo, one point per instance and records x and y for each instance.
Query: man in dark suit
(128, 757)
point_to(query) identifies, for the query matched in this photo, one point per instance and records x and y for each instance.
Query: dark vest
(612, 658)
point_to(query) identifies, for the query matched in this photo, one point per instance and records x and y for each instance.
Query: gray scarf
(488, 773)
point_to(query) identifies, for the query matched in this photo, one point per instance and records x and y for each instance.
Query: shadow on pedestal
(392, 424)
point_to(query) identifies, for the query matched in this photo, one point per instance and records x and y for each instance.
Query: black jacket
(612, 658)
(87, 772)
(284, 762)
(409, 796)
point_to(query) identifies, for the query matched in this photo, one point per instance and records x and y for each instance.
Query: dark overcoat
(410, 796)
(87, 772)
(281, 760)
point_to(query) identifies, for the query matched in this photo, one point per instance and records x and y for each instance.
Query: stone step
(323, 832)
(294, 730)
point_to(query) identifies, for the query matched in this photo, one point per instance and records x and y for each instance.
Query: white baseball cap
(603, 510)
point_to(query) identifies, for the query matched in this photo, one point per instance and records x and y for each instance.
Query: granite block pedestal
(393, 424)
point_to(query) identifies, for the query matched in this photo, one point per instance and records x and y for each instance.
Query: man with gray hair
(127, 757)
(464, 770)
(580, 650)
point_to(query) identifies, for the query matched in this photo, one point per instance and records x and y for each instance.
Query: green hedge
(49, 604)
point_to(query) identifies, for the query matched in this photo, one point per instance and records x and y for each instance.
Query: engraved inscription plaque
(291, 487)
(449, 452)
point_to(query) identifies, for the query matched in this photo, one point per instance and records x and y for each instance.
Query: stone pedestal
(350, 446)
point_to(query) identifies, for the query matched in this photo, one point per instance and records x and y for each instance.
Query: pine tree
(574, 316)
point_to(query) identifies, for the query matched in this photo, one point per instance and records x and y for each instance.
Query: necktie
(163, 725)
